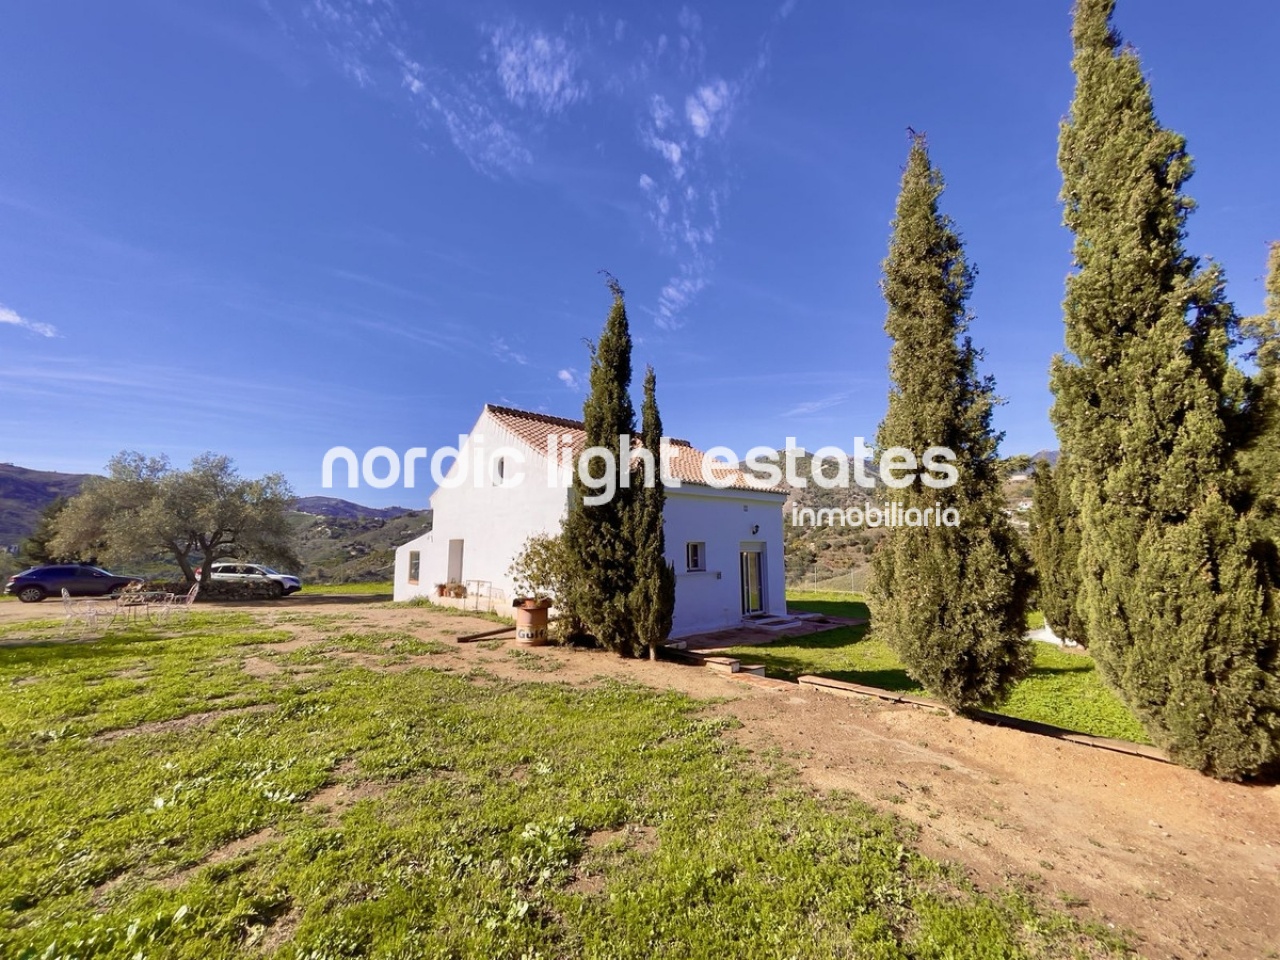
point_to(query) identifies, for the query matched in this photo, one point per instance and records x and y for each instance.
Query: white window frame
(695, 556)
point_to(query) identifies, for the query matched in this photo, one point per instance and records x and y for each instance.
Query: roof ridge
(530, 428)
(533, 415)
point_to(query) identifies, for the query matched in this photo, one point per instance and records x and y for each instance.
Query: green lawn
(496, 819)
(348, 589)
(1063, 689)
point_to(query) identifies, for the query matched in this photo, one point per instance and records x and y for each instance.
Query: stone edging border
(738, 671)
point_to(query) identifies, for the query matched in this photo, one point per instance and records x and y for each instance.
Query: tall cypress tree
(1055, 550)
(596, 536)
(654, 597)
(1180, 617)
(1260, 460)
(950, 600)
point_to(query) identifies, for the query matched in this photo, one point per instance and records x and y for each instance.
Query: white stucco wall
(723, 520)
(492, 521)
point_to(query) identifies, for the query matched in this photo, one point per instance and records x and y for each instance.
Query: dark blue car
(78, 579)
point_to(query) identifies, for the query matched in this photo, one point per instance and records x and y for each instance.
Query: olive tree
(145, 507)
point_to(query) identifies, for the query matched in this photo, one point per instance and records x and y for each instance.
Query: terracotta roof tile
(536, 428)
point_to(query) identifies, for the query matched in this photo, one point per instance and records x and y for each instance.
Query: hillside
(345, 509)
(345, 549)
(836, 557)
(24, 494)
(337, 540)
(817, 554)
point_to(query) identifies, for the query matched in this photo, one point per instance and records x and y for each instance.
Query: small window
(695, 555)
(414, 559)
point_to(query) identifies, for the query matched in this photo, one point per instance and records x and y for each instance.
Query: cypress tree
(1179, 615)
(654, 597)
(35, 548)
(1055, 550)
(950, 600)
(596, 539)
(1260, 460)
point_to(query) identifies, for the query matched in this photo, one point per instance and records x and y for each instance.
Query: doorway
(752, 582)
(455, 561)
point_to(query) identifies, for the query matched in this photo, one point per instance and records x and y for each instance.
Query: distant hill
(24, 494)
(1050, 455)
(345, 509)
(338, 549)
(337, 540)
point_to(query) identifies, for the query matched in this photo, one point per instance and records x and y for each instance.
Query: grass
(158, 800)
(1063, 688)
(349, 589)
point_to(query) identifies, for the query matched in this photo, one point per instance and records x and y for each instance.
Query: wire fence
(819, 577)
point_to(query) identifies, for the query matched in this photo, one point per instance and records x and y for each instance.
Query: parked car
(78, 579)
(237, 571)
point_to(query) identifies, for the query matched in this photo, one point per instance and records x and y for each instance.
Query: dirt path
(1190, 865)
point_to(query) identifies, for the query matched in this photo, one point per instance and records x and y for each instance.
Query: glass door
(752, 588)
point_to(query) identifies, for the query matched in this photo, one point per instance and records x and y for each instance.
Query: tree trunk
(184, 561)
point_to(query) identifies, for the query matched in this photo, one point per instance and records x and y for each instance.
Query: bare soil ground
(1188, 865)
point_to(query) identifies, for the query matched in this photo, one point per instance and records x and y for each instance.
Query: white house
(725, 543)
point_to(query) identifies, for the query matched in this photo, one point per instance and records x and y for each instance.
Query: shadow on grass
(1085, 666)
(895, 681)
(40, 651)
(841, 654)
(298, 599)
(852, 609)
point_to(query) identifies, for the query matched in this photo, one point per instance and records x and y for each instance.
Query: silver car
(234, 570)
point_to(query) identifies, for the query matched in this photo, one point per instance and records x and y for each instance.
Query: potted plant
(441, 589)
(535, 573)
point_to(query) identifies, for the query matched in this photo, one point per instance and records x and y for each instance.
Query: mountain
(340, 549)
(24, 494)
(1050, 455)
(345, 509)
(337, 540)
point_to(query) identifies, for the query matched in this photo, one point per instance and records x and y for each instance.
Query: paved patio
(797, 625)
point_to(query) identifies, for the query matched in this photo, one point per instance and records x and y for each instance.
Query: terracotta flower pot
(531, 621)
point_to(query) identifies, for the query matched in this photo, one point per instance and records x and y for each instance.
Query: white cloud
(537, 69)
(660, 112)
(506, 354)
(646, 182)
(816, 406)
(670, 151)
(369, 41)
(488, 144)
(678, 294)
(40, 329)
(708, 108)
(570, 378)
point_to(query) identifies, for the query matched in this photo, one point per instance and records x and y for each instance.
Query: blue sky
(269, 228)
